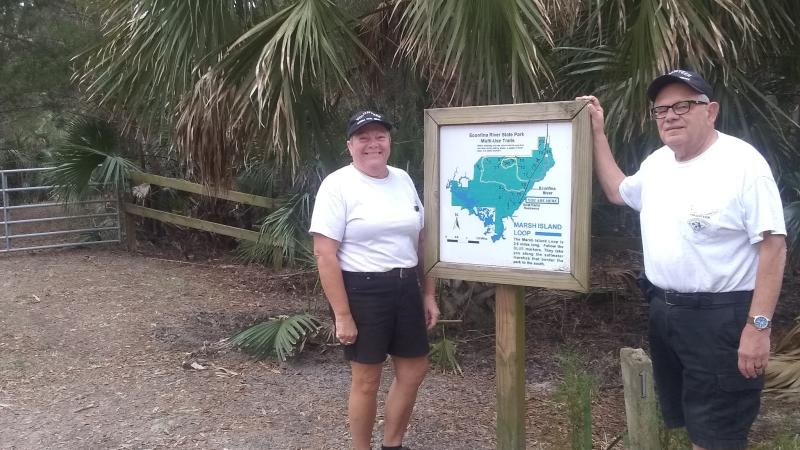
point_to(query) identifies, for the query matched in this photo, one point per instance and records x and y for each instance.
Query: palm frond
(783, 375)
(753, 113)
(284, 236)
(259, 178)
(281, 337)
(89, 155)
(632, 42)
(12, 158)
(783, 371)
(271, 81)
(153, 51)
(477, 52)
(790, 343)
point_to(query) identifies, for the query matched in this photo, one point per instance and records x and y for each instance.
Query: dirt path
(95, 349)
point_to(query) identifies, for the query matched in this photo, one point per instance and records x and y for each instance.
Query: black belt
(701, 299)
(397, 273)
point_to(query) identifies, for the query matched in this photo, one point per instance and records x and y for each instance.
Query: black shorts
(695, 363)
(387, 309)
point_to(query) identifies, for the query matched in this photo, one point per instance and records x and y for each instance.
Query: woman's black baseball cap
(362, 118)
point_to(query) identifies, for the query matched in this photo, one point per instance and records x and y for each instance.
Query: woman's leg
(408, 376)
(363, 402)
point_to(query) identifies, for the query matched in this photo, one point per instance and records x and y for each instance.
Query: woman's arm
(330, 274)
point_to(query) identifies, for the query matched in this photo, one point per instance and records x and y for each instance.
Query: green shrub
(443, 356)
(576, 390)
(673, 439)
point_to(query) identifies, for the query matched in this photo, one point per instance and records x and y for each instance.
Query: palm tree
(257, 90)
(273, 81)
(90, 156)
(267, 76)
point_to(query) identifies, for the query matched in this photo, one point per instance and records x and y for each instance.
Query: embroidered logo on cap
(366, 115)
(682, 74)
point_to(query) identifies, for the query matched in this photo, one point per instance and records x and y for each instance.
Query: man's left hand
(753, 351)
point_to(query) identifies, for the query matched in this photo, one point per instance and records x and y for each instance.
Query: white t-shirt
(376, 220)
(701, 218)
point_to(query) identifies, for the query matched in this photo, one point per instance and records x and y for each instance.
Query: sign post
(508, 200)
(510, 366)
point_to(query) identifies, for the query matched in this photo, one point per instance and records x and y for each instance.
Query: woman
(367, 230)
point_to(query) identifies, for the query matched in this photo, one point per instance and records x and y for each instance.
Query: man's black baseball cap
(687, 77)
(362, 118)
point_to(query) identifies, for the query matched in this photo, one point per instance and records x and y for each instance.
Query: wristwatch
(760, 322)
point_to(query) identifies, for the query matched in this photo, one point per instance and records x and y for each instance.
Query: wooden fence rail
(132, 210)
(188, 186)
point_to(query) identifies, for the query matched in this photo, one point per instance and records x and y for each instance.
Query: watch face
(760, 322)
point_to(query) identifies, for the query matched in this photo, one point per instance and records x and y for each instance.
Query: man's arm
(754, 344)
(606, 168)
(428, 286)
(330, 275)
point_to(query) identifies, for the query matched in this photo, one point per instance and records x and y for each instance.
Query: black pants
(694, 342)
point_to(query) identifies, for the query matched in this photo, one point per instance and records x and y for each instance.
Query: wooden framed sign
(508, 194)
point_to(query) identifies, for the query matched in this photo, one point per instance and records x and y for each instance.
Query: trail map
(505, 198)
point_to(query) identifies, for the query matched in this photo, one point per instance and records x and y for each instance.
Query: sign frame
(577, 279)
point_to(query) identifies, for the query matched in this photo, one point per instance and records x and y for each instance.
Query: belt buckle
(667, 292)
(402, 275)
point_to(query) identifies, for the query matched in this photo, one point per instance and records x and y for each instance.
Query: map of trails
(500, 185)
(505, 193)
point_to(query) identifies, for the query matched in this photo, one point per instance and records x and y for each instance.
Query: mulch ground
(103, 349)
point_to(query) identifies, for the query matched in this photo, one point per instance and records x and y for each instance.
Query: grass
(576, 390)
(785, 441)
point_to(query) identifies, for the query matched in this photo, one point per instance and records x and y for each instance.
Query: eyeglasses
(679, 108)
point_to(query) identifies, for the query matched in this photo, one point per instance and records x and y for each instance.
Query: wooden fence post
(510, 362)
(130, 231)
(641, 404)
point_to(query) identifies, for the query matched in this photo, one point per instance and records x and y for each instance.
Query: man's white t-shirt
(701, 218)
(376, 220)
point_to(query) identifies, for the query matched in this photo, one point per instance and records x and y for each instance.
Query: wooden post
(130, 230)
(510, 361)
(641, 404)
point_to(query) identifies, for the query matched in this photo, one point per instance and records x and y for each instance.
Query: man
(714, 246)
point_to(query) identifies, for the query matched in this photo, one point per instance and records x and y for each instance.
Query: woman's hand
(346, 331)
(431, 310)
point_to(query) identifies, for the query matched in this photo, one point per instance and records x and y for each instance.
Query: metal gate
(31, 220)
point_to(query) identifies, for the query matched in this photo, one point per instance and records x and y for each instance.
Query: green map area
(499, 186)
